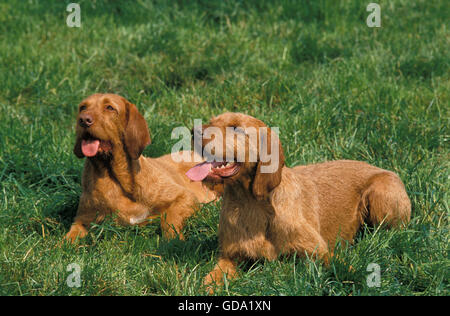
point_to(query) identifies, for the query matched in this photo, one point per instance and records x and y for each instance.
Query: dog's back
(175, 172)
(353, 192)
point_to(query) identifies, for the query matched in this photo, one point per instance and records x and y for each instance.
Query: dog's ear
(136, 136)
(77, 148)
(264, 182)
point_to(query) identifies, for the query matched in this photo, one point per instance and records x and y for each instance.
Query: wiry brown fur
(300, 210)
(122, 181)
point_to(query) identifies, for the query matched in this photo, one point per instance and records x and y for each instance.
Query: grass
(336, 88)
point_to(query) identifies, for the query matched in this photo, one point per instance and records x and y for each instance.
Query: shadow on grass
(195, 248)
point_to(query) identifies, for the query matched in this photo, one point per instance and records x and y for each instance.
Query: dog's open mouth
(213, 169)
(91, 146)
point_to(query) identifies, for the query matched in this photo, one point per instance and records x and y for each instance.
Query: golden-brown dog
(112, 134)
(291, 210)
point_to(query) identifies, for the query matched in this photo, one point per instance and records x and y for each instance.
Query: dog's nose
(86, 120)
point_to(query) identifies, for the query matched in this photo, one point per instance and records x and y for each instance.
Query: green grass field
(336, 89)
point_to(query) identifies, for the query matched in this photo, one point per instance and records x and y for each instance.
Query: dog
(300, 210)
(117, 179)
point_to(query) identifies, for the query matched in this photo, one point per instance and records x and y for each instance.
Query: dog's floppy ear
(136, 136)
(77, 148)
(264, 182)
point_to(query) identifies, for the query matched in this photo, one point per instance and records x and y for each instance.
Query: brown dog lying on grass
(290, 210)
(112, 134)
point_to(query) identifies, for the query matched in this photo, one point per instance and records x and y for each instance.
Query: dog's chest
(104, 191)
(100, 186)
(244, 230)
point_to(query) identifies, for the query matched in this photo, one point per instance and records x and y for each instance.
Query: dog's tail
(385, 201)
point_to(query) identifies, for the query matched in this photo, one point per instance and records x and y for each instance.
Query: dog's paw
(77, 231)
(209, 282)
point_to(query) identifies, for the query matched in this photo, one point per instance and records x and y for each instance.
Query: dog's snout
(86, 120)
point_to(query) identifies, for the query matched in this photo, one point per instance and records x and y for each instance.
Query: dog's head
(239, 149)
(108, 121)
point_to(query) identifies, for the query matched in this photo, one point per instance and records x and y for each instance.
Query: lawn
(336, 88)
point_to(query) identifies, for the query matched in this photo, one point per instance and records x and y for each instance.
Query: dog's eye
(110, 108)
(82, 108)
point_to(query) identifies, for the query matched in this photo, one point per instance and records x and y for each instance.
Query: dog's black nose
(86, 120)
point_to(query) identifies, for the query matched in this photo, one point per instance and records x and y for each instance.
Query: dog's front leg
(224, 267)
(85, 216)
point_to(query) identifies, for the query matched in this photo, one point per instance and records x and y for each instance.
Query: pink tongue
(90, 147)
(199, 172)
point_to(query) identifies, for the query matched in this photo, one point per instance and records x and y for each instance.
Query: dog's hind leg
(385, 201)
(308, 241)
(174, 216)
